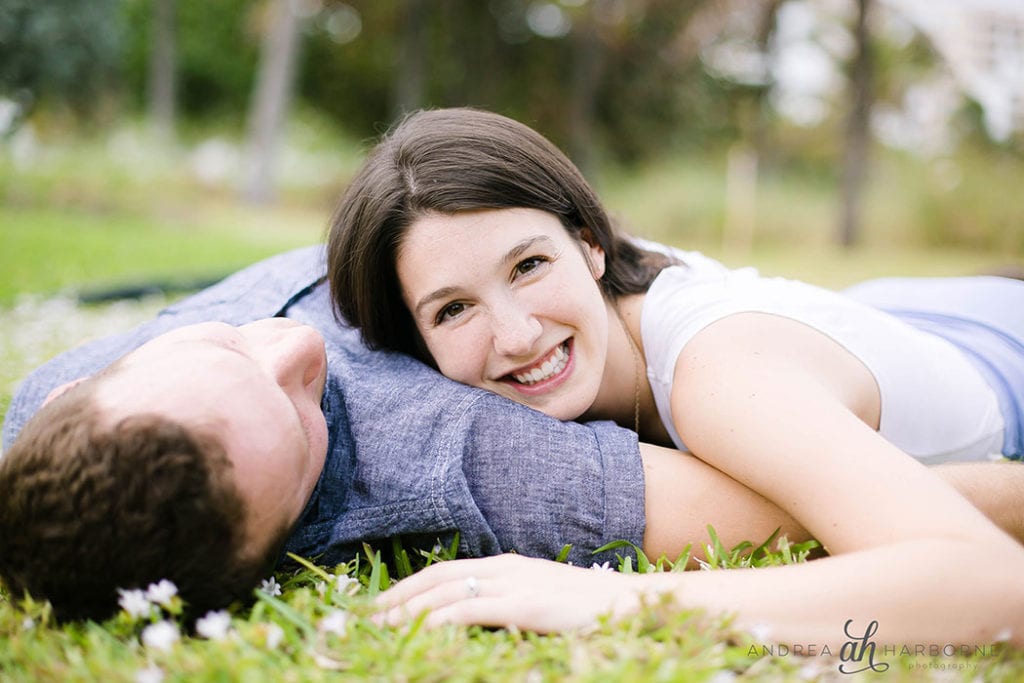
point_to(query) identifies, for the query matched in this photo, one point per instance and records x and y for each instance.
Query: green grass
(46, 250)
(86, 218)
(321, 629)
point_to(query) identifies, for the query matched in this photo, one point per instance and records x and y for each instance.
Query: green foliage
(217, 51)
(58, 50)
(745, 554)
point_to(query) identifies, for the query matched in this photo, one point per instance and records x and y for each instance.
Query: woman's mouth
(546, 372)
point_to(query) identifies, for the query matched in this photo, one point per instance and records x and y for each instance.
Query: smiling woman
(478, 308)
(469, 240)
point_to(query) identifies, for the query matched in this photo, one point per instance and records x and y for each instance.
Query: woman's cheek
(461, 356)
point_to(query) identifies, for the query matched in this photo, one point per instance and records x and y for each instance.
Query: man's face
(257, 388)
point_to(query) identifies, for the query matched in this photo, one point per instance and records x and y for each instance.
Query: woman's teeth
(549, 368)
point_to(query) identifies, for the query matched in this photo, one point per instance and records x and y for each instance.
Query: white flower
(162, 592)
(762, 633)
(271, 587)
(605, 567)
(345, 582)
(160, 636)
(214, 625)
(134, 602)
(275, 634)
(28, 623)
(336, 622)
(151, 674)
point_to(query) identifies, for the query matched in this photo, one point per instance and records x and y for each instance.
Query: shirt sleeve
(539, 484)
(417, 456)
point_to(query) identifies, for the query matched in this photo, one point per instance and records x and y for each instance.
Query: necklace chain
(636, 372)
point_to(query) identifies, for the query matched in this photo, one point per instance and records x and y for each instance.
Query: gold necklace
(636, 372)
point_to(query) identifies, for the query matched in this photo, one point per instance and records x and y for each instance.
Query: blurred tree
(412, 58)
(215, 53)
(350, 61)
(588, 61)
(763, 114)
(58, 50)
(271, 98)
(654, 93)
(858, 134)
(596, 76)
(162, 68)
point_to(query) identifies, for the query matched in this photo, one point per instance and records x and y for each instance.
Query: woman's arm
(782, 409)
(786, 418)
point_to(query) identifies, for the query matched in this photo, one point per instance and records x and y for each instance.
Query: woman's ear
(593, 252)
(63, 389)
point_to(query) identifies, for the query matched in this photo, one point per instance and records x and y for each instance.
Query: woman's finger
(454, 570)
(436, 598)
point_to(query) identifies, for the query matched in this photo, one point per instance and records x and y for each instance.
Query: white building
(982, 41)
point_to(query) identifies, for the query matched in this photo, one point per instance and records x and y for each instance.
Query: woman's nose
(516, 331)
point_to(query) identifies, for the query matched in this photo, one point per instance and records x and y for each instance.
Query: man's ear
(593, 253)
(63, 389)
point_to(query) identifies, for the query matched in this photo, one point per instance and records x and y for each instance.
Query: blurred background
(159, 144)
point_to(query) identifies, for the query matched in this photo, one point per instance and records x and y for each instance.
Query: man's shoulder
(257, 291)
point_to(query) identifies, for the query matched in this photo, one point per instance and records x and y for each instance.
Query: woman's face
(508, 300)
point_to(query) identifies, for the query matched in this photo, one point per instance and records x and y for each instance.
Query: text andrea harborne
(860, 652)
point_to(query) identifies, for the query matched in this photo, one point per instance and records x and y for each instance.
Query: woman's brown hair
(449, 161)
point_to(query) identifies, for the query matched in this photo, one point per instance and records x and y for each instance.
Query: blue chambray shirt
(410, 453)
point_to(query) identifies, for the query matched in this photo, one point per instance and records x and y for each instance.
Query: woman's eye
(530, 264)
(449, 311)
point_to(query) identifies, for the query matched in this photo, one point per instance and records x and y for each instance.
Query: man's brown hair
(87, 508)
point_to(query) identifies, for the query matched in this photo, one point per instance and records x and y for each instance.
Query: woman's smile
(546, 374)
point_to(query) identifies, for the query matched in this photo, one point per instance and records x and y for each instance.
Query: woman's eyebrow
(441, 293)
(520, 248)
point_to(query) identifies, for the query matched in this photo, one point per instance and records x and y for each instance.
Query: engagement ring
(472, 587)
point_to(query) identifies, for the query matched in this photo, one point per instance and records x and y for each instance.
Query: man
(196, 450)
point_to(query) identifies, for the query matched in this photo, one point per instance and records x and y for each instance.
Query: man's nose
(292, 356)
(515, 330)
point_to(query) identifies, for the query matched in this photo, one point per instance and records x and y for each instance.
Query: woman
(469, 240)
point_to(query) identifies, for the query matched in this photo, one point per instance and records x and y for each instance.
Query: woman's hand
(512, 590)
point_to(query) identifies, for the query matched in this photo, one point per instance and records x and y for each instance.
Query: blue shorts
(982, 316)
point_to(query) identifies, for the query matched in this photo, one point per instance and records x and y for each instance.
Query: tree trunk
(270, 101)
(855, 156)
(762, 124)
(410, 79)
(162, 67)
(587, 63)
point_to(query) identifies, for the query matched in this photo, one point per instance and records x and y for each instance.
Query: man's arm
(995, 488)
(684, 495)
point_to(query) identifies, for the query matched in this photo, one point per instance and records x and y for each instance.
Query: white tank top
(935, 405)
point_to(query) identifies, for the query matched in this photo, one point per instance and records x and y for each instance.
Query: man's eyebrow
(220, 343)
(511, 255)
